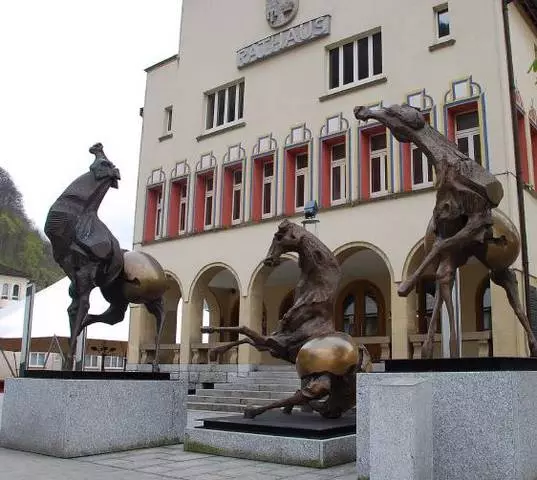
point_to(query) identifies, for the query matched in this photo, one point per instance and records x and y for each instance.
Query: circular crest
(280, 12)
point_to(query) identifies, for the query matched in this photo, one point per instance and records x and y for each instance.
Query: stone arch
(410, 259)
(348, 249)
(364, 295)
(211, 270)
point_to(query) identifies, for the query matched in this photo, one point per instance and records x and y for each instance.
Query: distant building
(45, 354)
(254, 117)
(12, 285)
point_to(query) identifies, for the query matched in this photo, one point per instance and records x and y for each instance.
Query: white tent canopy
(50, 315)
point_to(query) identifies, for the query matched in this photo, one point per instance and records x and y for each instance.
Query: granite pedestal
(70, 418)
(484, 423)
(301, 438)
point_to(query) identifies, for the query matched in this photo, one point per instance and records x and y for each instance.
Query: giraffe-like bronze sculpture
(464, 222)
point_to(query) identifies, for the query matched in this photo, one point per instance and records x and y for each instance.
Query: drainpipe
(518, 169)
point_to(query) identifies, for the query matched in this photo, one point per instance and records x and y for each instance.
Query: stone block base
(483, 423)
(305, 452)
(71, 418)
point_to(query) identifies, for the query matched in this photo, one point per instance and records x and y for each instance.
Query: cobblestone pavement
(154, 463)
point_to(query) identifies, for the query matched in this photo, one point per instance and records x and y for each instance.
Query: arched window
(15, 292)
(5, 291)
(483, 306)
(426, 291)
(360, 310)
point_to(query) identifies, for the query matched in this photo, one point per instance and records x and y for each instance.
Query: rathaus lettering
(286, 39)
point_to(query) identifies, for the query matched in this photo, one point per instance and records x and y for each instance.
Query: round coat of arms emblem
(280, 12)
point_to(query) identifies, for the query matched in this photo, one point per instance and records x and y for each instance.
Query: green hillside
(22, 246)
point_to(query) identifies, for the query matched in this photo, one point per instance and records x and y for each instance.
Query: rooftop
(12, 272)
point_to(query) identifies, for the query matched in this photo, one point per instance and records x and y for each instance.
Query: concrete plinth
(70, 418)
(304, 439)
(484, 424)
(401, 443)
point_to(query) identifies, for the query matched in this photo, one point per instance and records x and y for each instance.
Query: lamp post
(103, 350)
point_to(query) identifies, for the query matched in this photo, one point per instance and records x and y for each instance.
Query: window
(37, 359)
(5, 291)
(208, 206)
(442, 21)
(91, 361)
(467, 135)
(168, 116)
(236, 202)
(224, 106)
(268, 189)
(153, 214)
(158, 216)
(355, 61)
(484, 306)
(338, 175)
(183, 199)
(422, 169)
(301, 181)
(379, 164)
(113, 362)
(15, 292)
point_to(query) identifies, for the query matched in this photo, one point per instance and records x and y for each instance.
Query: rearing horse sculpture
(90, 255)
(463, 224)
(326, 360)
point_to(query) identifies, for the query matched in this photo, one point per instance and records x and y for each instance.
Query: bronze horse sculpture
(464, 222)
(90, 256)
(326, 360)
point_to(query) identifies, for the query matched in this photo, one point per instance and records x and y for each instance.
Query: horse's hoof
(533, 350)
(207, 330)
(426, 352)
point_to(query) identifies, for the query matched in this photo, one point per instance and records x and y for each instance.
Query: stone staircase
(260, 387)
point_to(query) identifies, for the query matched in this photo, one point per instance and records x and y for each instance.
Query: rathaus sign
(284, 40)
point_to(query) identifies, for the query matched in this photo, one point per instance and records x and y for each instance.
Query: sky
(72, 74)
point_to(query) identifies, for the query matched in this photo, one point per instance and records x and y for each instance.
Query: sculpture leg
(467, 235)
(156, 307)
(314, 389)
(230, 345)
(507, 280)
(427, 347)
(115, 313)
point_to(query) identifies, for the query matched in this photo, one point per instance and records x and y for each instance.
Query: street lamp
(310, 215)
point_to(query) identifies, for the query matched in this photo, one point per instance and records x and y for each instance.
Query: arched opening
(472, 293)
(272, 292)
(363, 301)
(214, 301)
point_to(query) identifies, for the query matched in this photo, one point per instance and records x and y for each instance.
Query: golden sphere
(145, 278)
(502, 254)
(333, 353)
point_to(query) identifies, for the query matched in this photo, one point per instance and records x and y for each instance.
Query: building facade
(253, 118)
(12, 286)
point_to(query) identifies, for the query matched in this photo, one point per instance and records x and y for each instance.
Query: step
(231, 400)
(267, 387)
(253, 380)
(219, 392)
(276, 368)
(216, 407)
(276, 375)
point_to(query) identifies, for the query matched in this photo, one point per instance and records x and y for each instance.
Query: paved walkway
(154, 463)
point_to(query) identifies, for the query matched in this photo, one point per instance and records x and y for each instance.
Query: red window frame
(365, 157)
(290, 172)
(258, 166)
(325, 177)
(199, 200)
(406, 159)
(174, 219)
(533, 140)
(151, 201)
(227, 191)
(523, 147)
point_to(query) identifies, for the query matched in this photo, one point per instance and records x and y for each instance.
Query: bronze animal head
(406, 117)
(286, 239)
(103, 168)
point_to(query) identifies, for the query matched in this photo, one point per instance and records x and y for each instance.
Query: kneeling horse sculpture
(326, 360)
(90, 256)
(463, 224)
